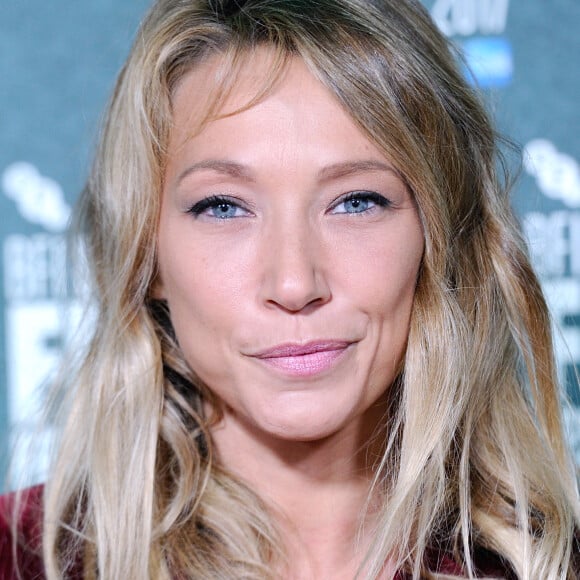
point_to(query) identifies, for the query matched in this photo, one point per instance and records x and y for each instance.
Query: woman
(321, 351)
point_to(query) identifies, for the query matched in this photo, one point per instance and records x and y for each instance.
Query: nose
(294, 276)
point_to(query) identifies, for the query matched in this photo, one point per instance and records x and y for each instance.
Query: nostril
(298, 307)
(297, 292)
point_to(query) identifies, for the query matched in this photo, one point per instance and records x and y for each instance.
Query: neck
(317, 491)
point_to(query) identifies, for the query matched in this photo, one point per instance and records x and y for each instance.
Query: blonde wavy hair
(475, 459)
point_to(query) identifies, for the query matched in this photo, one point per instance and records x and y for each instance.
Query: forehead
(223, 84)
(265, 111)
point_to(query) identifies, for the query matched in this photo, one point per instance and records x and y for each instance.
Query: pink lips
(304, 360)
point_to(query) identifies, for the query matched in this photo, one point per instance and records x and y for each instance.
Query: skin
(289, 262)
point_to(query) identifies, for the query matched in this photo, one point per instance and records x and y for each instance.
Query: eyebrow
(345, 169)
(223, 166)
(329, 173)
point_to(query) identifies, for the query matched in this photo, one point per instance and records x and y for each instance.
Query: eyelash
(215, 201)
(369, 196)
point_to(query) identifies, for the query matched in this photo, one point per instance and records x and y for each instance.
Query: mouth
(303, 360)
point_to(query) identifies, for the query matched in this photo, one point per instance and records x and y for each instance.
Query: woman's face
(288, 252)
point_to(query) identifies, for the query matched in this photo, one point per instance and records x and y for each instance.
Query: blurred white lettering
(34, 267)
(563, 297)
(467, 17)
(39, 319)
(554, 241)
(34, 333)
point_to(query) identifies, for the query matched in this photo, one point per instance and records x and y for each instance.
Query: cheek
(381, 274)
(202, 299)
(198, 273)
(204, 289)
(202, 322)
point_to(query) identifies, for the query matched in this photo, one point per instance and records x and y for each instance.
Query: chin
(299, 418)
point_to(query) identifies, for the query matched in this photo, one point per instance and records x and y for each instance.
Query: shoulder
(21, 514)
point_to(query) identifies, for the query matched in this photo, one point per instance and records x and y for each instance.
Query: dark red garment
(26, 554)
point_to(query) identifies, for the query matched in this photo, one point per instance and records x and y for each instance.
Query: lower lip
(306, 365)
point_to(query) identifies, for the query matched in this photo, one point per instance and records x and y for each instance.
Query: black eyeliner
(377, 198)
(212, 201)
(364, 195)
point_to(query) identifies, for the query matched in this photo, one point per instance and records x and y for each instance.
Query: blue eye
(360, 202)
(217, 207)
(223, 210)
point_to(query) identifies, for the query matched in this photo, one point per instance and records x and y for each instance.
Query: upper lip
(300, 349)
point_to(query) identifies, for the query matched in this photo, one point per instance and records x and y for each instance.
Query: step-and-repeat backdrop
(58, 61)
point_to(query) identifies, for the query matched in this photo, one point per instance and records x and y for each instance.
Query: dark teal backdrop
(58, 61)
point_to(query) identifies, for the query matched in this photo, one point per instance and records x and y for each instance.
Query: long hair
(474, 459)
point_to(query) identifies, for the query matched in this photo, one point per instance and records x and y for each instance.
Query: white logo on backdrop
(39, 314)
(39, 199)
(467, 17)
(557, 174)
(554, 240)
